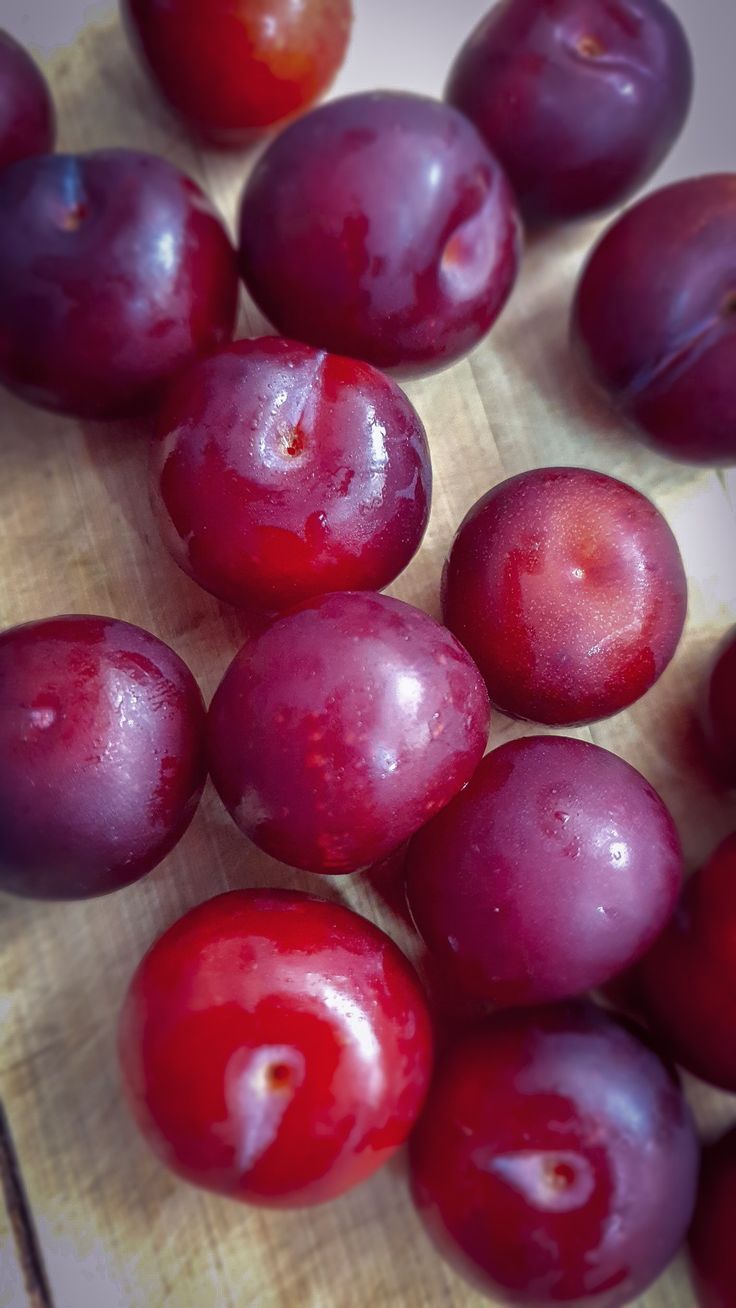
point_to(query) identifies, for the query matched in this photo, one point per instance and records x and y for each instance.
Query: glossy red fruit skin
(342, 727)
(275, 1048)
(556, 1159)
(280, 472)
(379, 226)
(712, 1247)
(114, 274)
(654, 318)
(230, 69)
(686, 984)
(27, 118)
(580, 100)
(568, 589)
(554, 869)
(719, 709)
(101, 755)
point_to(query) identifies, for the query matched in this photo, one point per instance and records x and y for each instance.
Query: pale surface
(116, 1230)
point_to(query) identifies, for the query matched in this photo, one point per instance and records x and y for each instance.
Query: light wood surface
(114, 1229)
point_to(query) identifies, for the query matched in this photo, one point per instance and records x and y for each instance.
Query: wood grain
(114, 1229)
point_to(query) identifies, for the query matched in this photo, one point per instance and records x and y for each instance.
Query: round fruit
(344, 726)
(232, 67)
(686, 985)
(27, 118)
(556, 1160)
(275, 1048)
(281, 472)
(711, 1236)
(114, 274)
(580, 100)
(554, 869)
(654, 320)
(101, 755)
(719, 716)
(380, 226)
(568, 589)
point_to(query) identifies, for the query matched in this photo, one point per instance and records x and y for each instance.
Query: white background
(410, 44)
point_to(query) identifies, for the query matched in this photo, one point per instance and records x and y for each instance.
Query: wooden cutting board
(112, 1228)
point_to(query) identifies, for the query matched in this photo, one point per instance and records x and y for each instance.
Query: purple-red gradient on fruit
(27, 118)
(654, 319)
(380, 226)
(568, 589)
(686, 984)
(719, 709)
(712, 1246)
(280, 472)
(101, 755)
(580, 100)
(341, 728)
(115, 272)
(275, 1048)
(233, 67)
(556, 1160)
(554, 869)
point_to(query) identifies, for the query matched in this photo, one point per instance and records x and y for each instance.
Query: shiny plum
(280, 472)
(654, 320)
(719, 709)
(115, 272)
(341, 728)
(686, 984)
(553, 870)
(101, 755)
(275, 1048)
(580, 100)
(232, 67)
(568, 589)
(27, 118)
(556, 1160)
(712, 1246)
(380, 226)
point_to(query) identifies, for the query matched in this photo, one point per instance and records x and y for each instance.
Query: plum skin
(654, 318)
(719, 709)
(101, 755)
(342, 727)
(712, 1249)
(556, 1159)
(279, 472)
(579, 100)
(232, 70)
(379, 226)
(568, 589)
(27, 117)
(686, 984)
(115, 273)
(554, 869)
(275, 1048)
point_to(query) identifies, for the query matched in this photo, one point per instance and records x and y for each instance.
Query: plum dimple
(342, 727)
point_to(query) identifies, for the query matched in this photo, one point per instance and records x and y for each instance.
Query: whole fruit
(580, 100)
(719, 709)
(712, 1245)
(686, 985)
(27, 118)
(654, 320)
(101, 755)
(554, 869)
(342, 727)
(275, 1048)
(280, 472)
(115, 273)
(232, 67)
(556, 1160)
(568, 589)
(379, 226)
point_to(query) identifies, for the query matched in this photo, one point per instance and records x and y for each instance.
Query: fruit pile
(275, 1046)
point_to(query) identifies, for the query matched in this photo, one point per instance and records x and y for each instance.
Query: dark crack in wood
(21, 1221)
